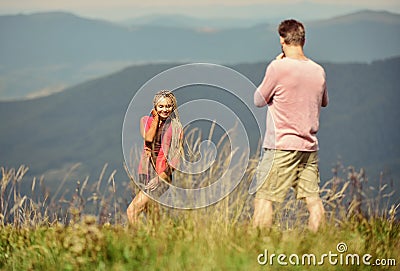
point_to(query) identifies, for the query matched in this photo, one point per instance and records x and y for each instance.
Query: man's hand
(153, 184)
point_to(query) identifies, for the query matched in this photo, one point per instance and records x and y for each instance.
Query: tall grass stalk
(88, 230)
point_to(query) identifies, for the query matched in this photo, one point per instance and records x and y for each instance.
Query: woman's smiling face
(164, 108)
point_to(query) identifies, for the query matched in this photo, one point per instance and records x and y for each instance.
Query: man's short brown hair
(292, 32)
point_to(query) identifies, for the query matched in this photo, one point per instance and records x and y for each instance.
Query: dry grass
(88, 230)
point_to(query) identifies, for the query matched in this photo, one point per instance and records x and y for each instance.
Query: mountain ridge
(71, 49)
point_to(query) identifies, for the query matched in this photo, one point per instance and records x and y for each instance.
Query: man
(294, 88)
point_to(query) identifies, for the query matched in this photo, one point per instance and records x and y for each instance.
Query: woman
(162, 133)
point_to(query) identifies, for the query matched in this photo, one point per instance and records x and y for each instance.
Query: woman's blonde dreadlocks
(176, 147)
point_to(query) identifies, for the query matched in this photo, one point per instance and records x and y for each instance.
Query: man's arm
(264, 92)
(259, 99)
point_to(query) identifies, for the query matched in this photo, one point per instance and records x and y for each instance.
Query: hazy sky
(123, 9)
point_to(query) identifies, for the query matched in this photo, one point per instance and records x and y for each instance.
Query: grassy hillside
(193, 245)
(37, 235)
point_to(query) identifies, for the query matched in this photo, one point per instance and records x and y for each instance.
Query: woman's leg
(136, 207)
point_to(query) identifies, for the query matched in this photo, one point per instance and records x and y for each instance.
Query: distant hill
(46, 52)
(183, 21)
(83, 124)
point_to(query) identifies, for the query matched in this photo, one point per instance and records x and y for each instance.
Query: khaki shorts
(279, 170)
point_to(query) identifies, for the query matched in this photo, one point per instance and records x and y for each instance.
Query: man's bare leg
(136, 207)
(317, 213)
(263, 212)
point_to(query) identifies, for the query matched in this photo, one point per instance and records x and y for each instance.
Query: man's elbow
(259, 101)
(259, 104)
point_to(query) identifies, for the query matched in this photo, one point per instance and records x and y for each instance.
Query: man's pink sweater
(294, 90)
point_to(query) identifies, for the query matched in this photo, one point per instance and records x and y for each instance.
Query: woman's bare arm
(151, 132)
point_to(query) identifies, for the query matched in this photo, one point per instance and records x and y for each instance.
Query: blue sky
(117, 10)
